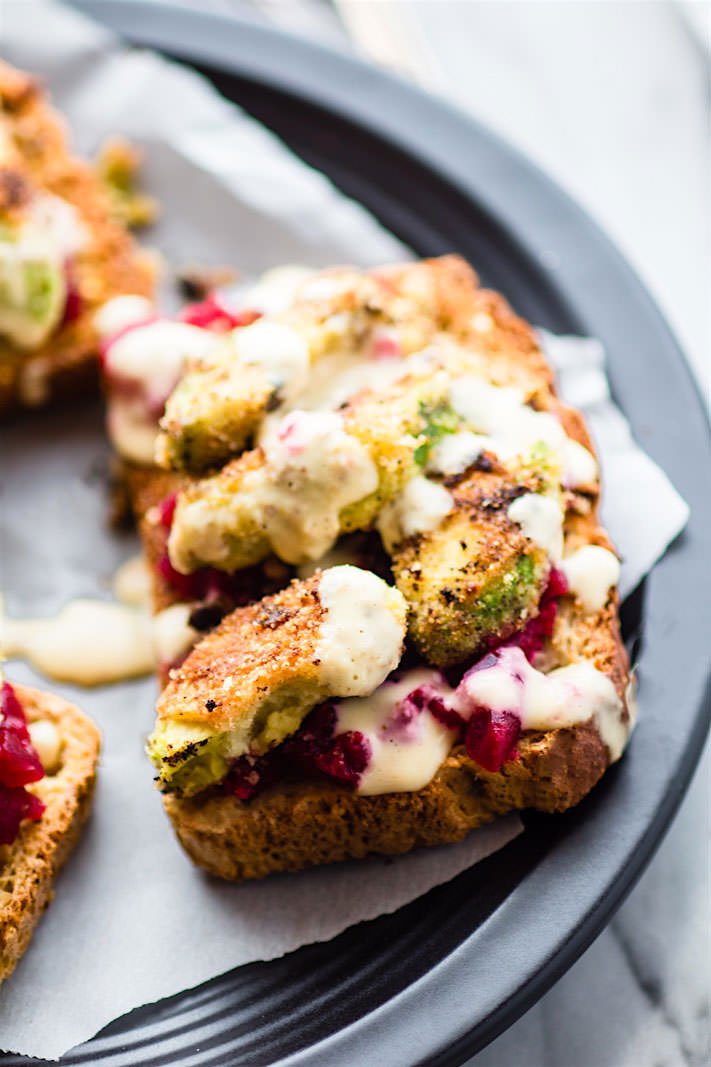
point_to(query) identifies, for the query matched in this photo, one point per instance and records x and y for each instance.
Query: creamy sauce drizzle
(96, 642)
(47, 744)
(90, 642)
(456, 452)
(405, 754)
(362, 635)
(541, 519)
(280, 350)
(144, 366)
(591, 573)
(314, 469)
(419, 508)
(564, 697)
(276, 289)
(513, 428)
(122, 311)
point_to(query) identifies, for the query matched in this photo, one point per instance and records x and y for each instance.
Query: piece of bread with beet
(37, 845)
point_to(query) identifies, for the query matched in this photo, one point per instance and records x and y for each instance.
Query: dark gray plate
(439, 979)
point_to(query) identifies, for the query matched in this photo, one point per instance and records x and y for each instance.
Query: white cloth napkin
(133, 921)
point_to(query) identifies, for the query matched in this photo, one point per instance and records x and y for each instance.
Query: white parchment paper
(133, 921)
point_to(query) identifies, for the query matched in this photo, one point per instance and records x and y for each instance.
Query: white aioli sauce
(90, 642)
(279, 349)
(314, 469)
(133, 432)
(339, 376)
(132, 582)
(276, 289)
(419, 508)
(151, 359)
(591, 572)
(173, 636)
(457, 451)
(564, 697)
(122, 311)
(541, 519)
(404, 756)
(579, 465)
(362, 634)
(46, 743)
(154, 355)
(513, 428)
(95, 642)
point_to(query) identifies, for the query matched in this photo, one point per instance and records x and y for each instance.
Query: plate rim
(383, 104)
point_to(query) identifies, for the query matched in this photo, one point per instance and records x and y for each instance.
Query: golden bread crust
(302, 824)
(28, 866)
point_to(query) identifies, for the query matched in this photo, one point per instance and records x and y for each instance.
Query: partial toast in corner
(67, 743)
(64, 252)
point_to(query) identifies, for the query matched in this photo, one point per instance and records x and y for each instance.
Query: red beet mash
(19, 765)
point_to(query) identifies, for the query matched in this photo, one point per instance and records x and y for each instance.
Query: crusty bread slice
(301, 824)
(28, 866)
(36, 156)
(298, 824)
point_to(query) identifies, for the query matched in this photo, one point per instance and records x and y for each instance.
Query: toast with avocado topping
(440, 642)
(63, 253)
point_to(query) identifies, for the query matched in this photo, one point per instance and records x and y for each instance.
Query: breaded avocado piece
(215, 410)
(223, 520)
(476, 577)
(250, 682)
(212, 414)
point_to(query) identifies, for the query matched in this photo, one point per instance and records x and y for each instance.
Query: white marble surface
(613, 100)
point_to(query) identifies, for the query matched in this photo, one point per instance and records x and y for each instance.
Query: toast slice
(30, 864)
(301, 821)
(514, 688)
(57, 360)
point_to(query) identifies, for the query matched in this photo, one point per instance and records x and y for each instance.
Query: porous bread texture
(29, 865)
(111, 262)
(299, 824)
(302, 824)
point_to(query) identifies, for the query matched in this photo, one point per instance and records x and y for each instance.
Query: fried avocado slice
(250, 682)
(476, 578)
(212, 414)
(350, 315)
(320, 475)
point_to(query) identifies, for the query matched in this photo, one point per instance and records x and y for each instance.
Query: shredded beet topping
(314, 750)
(73, 303)
(210, 585)
(19, 765)
(408, 711)
(491, 738)
(532, 638)
(166, 510)
(209, 314)
(557, 585)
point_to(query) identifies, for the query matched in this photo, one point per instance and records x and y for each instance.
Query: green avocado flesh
(32, 298)
(190, 757)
